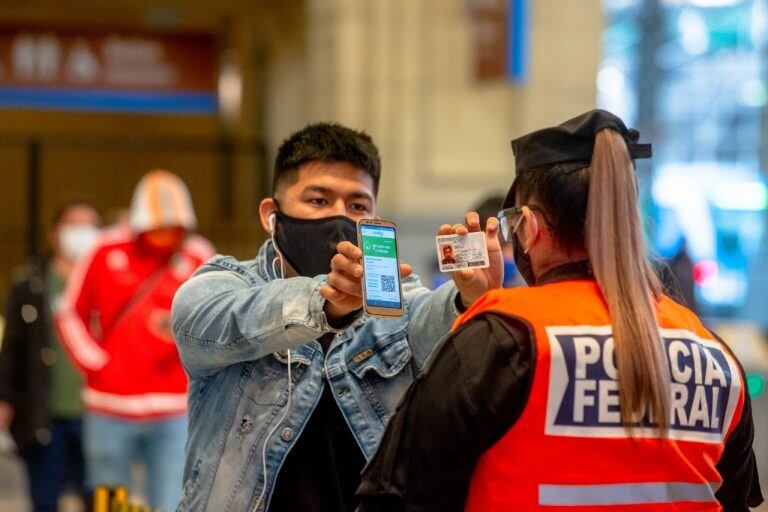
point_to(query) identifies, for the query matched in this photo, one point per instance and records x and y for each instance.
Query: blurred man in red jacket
(115, 322)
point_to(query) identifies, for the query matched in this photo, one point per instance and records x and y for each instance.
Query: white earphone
(272, 221)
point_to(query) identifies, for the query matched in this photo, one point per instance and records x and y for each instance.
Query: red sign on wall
(490, 24)
(86, 69)
(501, 42)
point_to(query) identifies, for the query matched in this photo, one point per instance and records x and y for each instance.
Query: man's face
(447, 252)
(324, 189)
(163, 240)
(76, 216)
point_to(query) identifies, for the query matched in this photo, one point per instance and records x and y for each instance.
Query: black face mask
(308, 245)
(523, 261)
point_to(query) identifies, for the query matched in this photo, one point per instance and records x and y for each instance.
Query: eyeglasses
(511, 218)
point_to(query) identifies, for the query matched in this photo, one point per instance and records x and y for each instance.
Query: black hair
(326, 142)
(562, 191)
(67, 205)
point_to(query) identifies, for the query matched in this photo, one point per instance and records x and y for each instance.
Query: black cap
(573, 141)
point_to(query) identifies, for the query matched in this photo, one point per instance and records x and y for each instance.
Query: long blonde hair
(616, 248)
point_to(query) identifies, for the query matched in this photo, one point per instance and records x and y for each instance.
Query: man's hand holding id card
(473, 257)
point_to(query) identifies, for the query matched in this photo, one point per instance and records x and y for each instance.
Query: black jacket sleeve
(738, 467)
(11, 357)
(474, 390)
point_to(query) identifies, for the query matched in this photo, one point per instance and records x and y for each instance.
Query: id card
(457, 252)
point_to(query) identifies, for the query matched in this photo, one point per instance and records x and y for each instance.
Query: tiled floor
(13, 495)
(13, 489)
(12, 485)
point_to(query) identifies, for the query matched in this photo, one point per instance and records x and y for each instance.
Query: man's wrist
(461, 303)
(332, 312)
(345, 321)
(337, 315)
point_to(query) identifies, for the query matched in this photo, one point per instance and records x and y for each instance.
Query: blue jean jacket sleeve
(226, 313)
(432, 314)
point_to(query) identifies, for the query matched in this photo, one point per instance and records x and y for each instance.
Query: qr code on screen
(388, 284)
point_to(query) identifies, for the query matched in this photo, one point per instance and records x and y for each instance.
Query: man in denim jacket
(256, 442)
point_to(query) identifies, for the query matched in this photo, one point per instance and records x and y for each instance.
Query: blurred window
(691, 75)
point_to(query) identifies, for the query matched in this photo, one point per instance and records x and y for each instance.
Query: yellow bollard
(119, 500)
(101, 499)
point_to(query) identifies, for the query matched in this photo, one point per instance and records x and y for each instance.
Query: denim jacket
(234, 322)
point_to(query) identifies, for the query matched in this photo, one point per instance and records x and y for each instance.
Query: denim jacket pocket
(386, 357)
(263, 381)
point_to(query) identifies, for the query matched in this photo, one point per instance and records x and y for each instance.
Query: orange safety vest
(568, 450)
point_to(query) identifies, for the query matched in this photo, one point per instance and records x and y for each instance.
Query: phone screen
(382, 273)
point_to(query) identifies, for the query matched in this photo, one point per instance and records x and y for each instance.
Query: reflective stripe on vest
(625, 494)
(569, 449)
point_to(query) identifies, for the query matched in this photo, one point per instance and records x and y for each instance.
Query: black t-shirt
(322, 471)
(474, 391)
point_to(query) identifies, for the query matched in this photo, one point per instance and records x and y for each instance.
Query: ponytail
(616, 250)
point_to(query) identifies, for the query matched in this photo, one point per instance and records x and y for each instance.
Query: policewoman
(587, 390)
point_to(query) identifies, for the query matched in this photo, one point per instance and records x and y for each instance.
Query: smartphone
(382, 293)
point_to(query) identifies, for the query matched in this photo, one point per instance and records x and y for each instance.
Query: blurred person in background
(115, 322)
(587, 390)
(677, 277)
(40, 389)
(291, 385)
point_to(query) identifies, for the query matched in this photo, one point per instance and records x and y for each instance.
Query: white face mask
(76, 240)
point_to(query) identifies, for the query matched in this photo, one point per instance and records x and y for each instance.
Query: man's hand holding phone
(344, 291)
(474, 282)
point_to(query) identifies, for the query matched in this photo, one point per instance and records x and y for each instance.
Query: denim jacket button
(286, 435)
